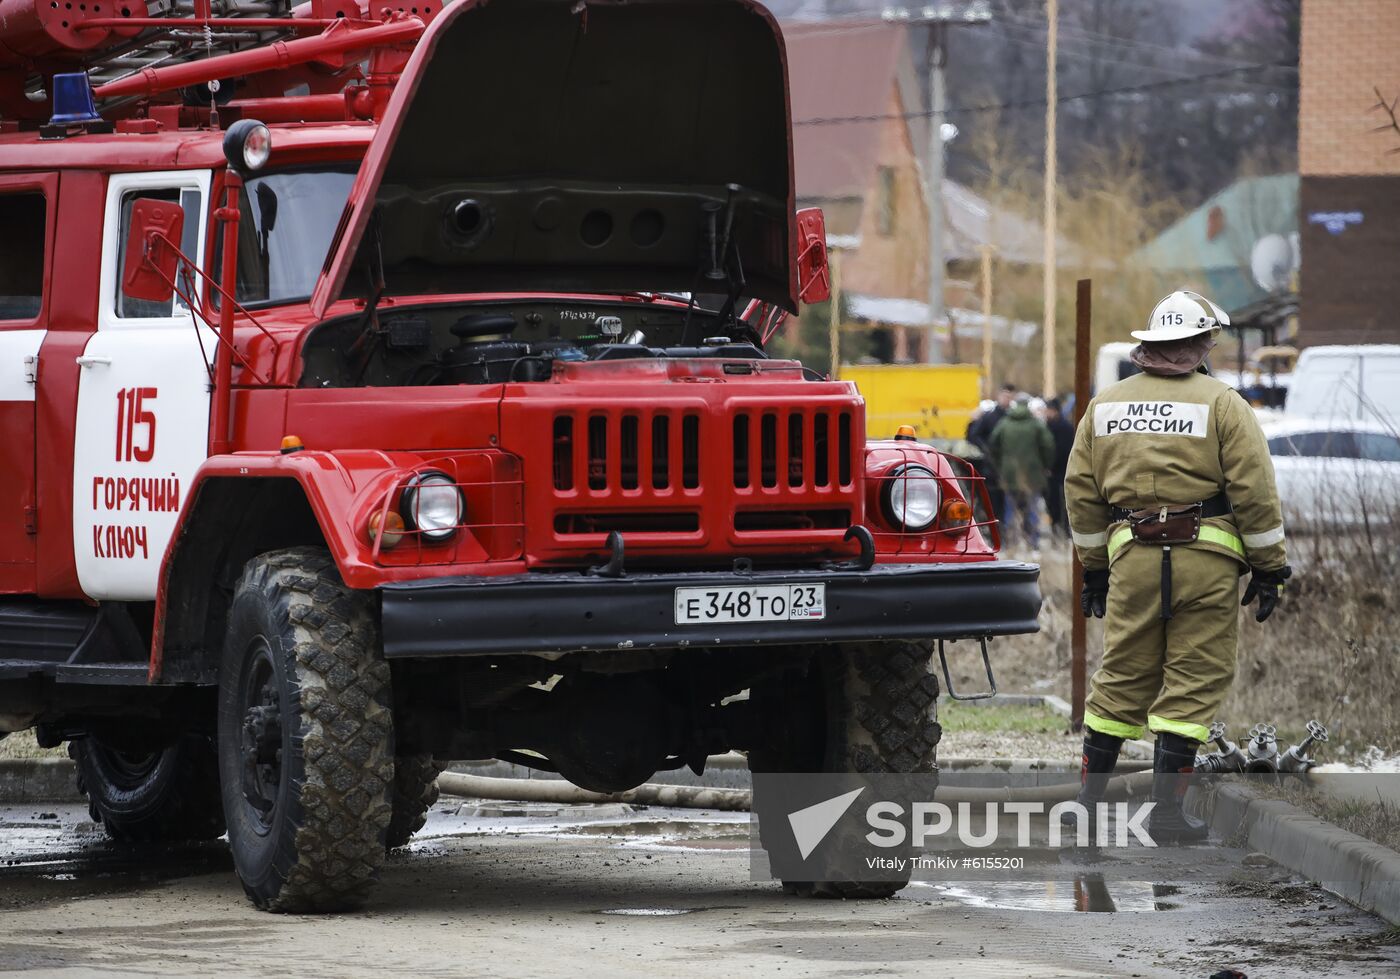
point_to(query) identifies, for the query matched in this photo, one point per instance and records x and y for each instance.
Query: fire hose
(1260, 756)
(1133, 785)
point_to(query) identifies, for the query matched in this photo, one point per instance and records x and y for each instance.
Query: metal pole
(1083, 299)
(986, 251)
(834, 330)
(220, 439)
(1048, 333)
(937, 56)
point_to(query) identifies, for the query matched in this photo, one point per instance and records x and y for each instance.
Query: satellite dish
(1272, 261)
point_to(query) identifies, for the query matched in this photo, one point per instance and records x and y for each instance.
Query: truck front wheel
(306, 741)
(163, 796)
(869, 708)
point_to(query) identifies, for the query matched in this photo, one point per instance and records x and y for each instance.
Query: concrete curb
(1364, 873)
(24, 780)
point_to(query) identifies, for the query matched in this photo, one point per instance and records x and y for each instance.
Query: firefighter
(1171, 498)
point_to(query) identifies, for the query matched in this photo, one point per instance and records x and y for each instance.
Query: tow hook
(865, 560)
(613, 567)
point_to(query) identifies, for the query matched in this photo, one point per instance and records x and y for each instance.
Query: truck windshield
(287, 221)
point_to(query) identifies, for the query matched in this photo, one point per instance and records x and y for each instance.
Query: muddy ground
(507, 890)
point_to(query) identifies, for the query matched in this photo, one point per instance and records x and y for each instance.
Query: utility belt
(1165, 526)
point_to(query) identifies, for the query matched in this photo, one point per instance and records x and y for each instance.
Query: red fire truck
(382, 384)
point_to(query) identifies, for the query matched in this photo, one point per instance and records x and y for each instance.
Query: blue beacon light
(72, 101)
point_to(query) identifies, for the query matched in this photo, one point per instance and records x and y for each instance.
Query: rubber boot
(1100, 758)
(1173, 762)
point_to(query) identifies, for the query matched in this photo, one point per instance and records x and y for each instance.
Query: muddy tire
(869, 708)
(165, 796)
(306, 741)
(415, 792)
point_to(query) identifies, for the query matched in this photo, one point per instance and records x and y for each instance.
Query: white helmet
(1182, 315)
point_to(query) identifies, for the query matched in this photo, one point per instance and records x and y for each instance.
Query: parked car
(1347, 383)
(1335, 472)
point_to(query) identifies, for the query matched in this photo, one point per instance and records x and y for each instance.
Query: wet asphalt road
(509, 890)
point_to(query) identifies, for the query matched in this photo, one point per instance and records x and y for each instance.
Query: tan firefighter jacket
(1161, 441)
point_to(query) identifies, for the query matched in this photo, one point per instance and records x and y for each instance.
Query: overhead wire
(1067, 33)
(1086, 54)
(1040, 103)
(1084, 35)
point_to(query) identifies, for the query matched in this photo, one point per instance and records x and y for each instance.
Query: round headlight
(911, 497)
(247, 145)
(432, 505)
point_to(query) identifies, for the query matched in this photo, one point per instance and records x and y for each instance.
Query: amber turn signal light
(955, 513)
(393, 528)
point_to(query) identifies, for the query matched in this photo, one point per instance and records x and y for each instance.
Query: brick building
(1350, 188)
(858, 141)
(864, 171)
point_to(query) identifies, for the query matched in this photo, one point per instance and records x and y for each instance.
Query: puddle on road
(1088, 893)
(44, 849)
(623, 825)
(660, 912)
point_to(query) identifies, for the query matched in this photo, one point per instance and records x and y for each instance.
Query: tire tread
(347, 731)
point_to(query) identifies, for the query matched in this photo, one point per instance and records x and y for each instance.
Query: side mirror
(813, 270)
(152, 258)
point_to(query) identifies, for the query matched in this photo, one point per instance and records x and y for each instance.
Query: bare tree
(1391, 125)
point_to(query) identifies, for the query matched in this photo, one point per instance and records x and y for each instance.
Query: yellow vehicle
(937, 399)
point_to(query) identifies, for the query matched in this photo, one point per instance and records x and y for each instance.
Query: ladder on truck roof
(138, 53)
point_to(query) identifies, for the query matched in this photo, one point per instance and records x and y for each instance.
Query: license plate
(759, 603)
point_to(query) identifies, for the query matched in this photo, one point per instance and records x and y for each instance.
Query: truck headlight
(432, 505)
(911, 497)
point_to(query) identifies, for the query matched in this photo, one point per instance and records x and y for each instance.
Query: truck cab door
(27, 206)
(143, 404)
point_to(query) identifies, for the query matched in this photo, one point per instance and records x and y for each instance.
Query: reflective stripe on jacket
(1162, 441)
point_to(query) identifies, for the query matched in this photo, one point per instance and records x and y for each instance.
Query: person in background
(1062, 432)
(979, 433)
(1023, 452)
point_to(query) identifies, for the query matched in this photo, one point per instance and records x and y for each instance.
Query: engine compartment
(511, 341)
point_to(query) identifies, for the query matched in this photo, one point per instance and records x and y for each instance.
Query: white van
(1113, 365)
(1359, 382)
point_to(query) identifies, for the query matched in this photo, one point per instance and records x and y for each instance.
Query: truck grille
(632, 451)
(795, 448)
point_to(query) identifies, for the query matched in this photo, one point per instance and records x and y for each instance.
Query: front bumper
(567, 613)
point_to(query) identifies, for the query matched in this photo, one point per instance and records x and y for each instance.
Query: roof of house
(840, 71)
(967, 323)
(974, 221)
(1214, 242)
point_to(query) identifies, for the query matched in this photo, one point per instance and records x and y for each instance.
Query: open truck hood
(564, 146)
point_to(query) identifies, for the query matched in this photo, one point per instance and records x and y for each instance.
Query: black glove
(1094, 598)
(1267, 586)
